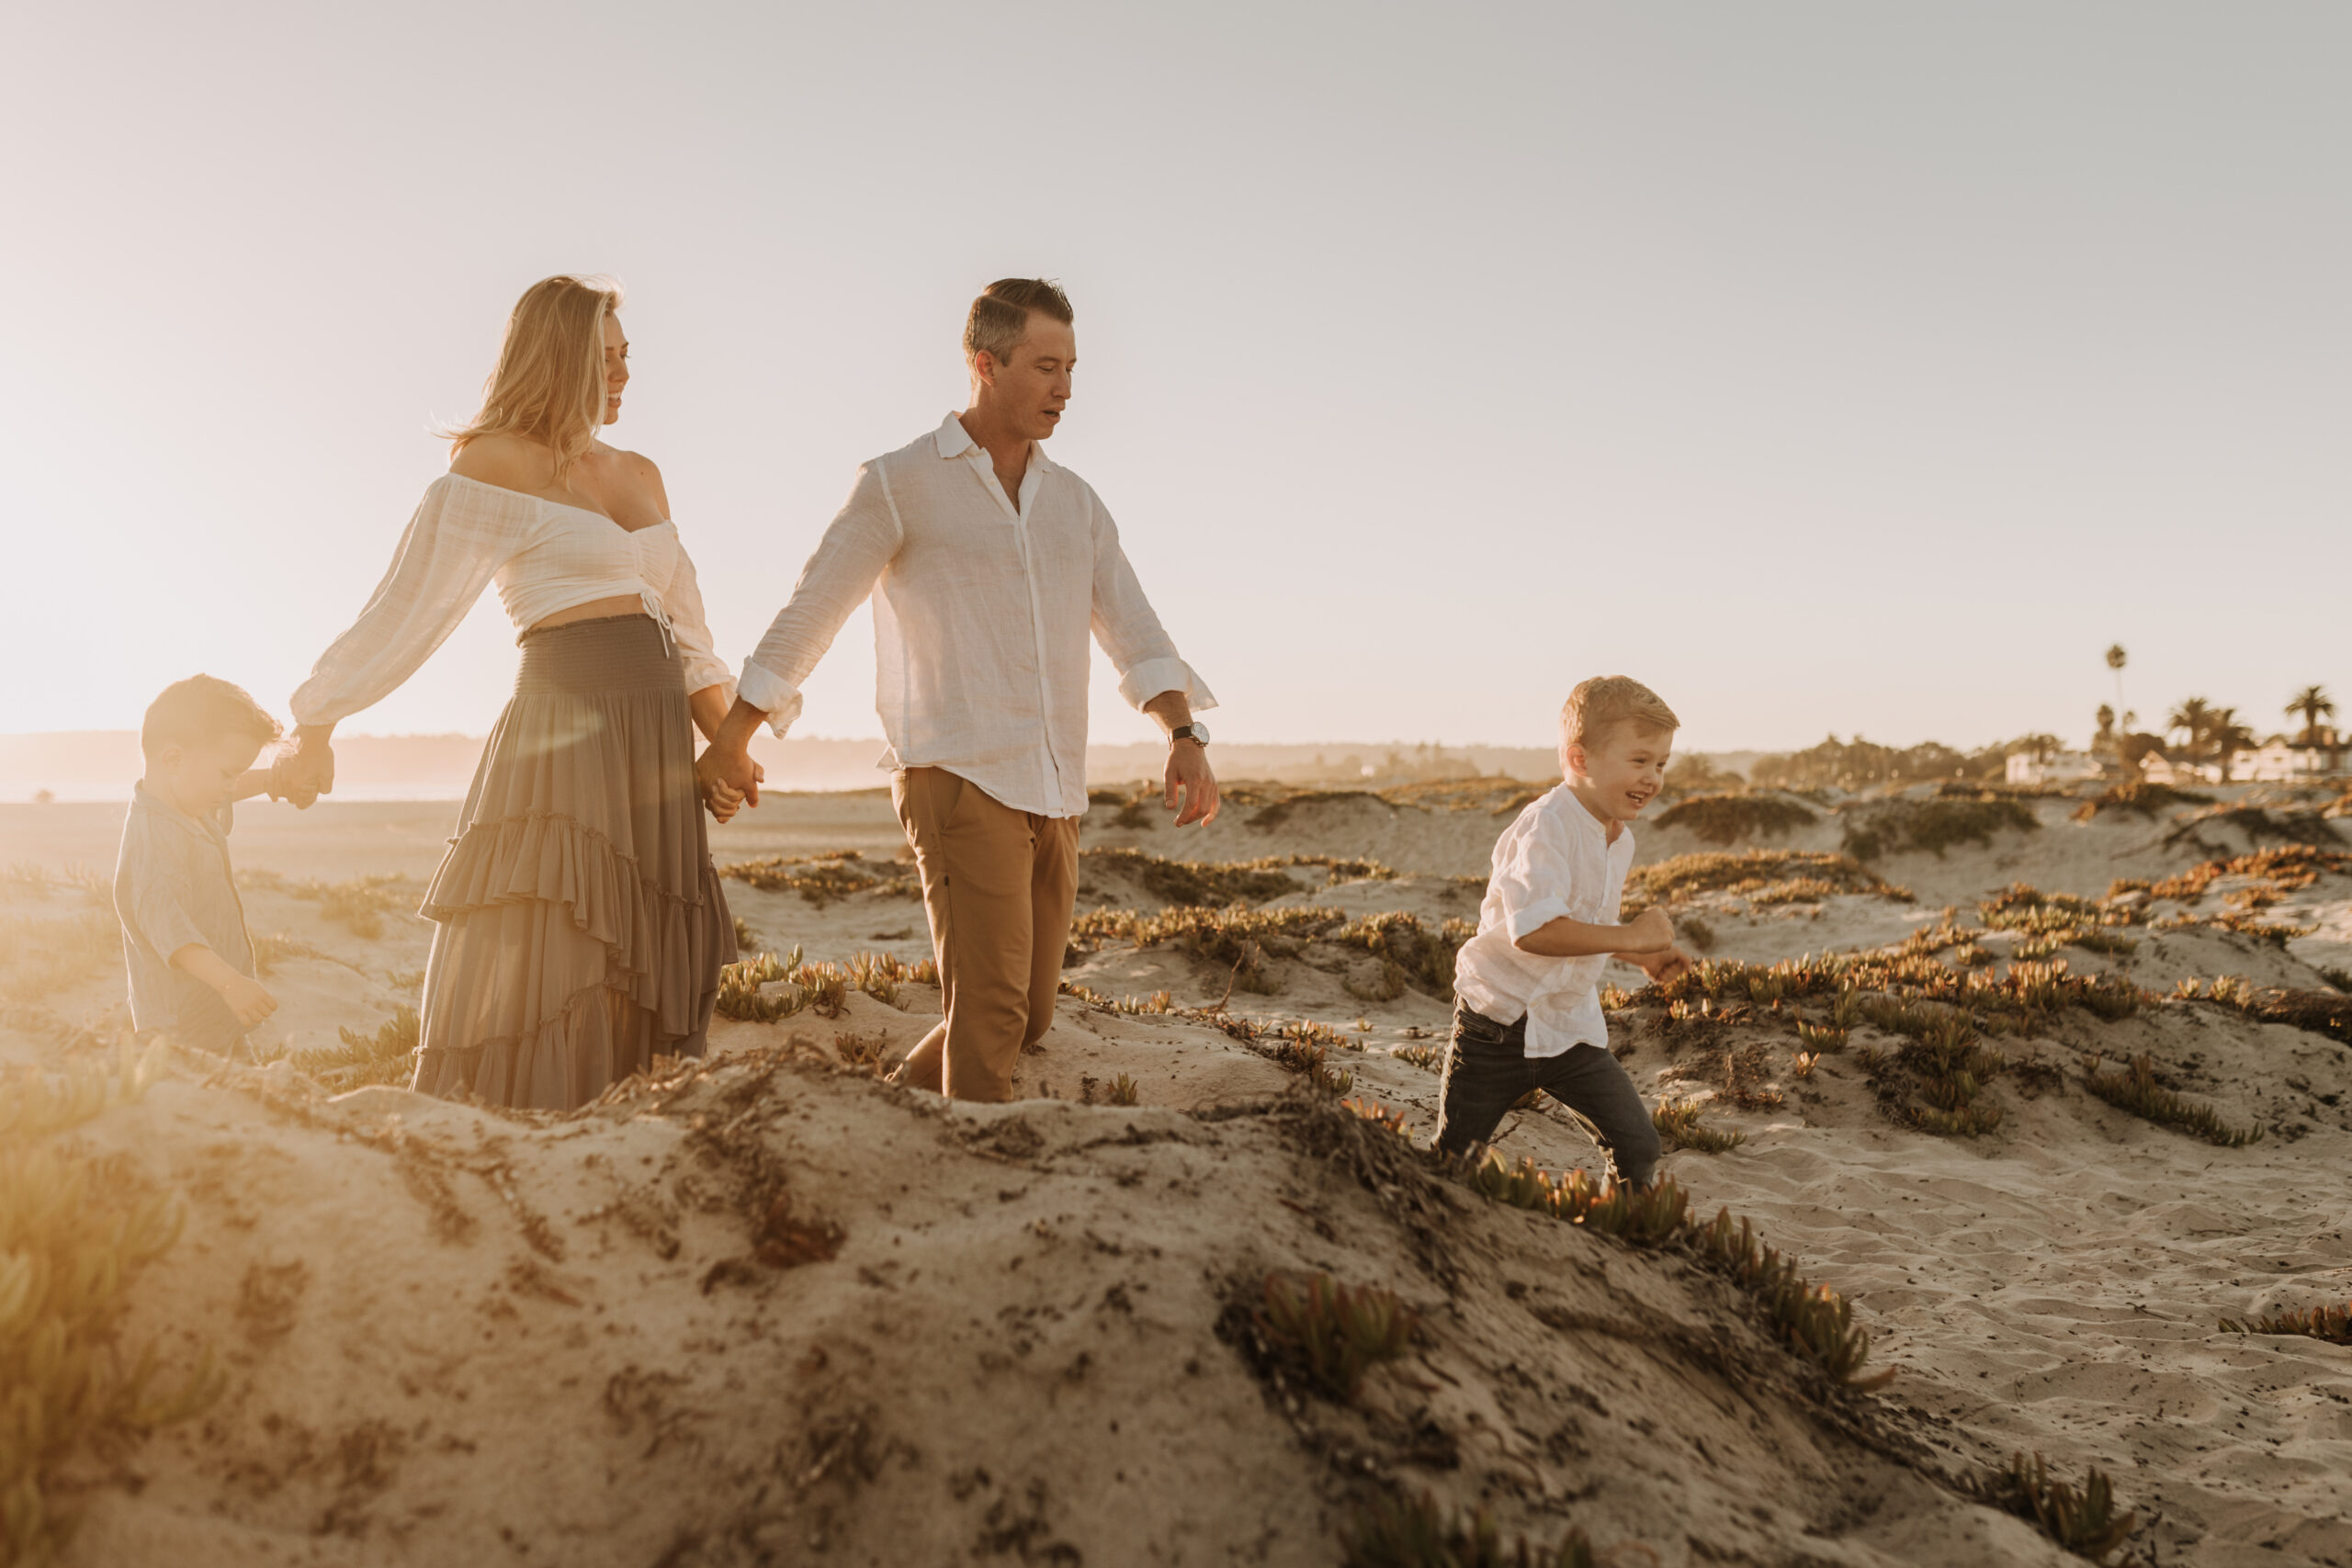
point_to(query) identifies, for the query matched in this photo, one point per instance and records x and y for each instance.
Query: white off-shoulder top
(544, 556)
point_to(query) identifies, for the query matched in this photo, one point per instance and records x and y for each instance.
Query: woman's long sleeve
(682, 602)
(459, 538)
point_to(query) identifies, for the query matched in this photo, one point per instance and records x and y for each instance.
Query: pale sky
(1828, 366)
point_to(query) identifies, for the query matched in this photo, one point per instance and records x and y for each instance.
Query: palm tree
(2193, 718)
(2229, 738)
(2313, 704)
(2115, 657)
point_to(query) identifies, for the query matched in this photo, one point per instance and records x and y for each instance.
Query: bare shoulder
(643, 473)
(510, 462)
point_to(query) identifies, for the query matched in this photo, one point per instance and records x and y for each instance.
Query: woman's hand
(722, 798)
(307, 771)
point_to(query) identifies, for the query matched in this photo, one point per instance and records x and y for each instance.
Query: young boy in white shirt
(1527, 988)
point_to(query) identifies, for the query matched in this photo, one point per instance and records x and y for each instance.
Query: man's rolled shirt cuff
(1536, 916)
(771, 694)
(1155, 677)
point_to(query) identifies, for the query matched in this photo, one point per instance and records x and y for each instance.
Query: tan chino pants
(999, 887)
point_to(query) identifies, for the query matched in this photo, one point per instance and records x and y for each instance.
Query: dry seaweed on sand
(1728, 817)
(1398, 1531)
(2084, 1522)
(2136, 1090)
(2330, 1324)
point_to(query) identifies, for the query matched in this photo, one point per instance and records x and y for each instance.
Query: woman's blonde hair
(549, 384)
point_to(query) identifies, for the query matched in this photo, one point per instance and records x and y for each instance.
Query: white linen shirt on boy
(1556, 861)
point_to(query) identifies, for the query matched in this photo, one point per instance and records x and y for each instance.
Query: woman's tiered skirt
(581, 925)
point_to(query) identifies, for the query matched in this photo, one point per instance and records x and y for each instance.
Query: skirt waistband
(610, 653)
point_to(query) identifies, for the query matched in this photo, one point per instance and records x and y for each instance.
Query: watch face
(1199, 732)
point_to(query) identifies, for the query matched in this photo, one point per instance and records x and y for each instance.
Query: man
(986, 563)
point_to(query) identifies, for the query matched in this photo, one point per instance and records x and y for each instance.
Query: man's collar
(954, 441)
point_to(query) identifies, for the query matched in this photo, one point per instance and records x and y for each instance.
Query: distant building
(2060, 767)
(2158, 769)
(2282, 761)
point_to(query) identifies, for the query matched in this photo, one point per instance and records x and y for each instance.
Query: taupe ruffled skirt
(581, 927)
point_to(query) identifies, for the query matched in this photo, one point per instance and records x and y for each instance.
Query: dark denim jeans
(1488, 1069)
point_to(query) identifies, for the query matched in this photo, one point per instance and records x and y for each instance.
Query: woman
(580, 925)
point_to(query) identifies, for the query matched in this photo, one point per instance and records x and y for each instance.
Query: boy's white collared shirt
(1556, 861)
(982, 606)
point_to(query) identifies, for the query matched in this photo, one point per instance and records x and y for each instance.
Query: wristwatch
(1196, 733)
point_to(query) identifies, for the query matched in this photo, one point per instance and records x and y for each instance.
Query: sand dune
(453, 1335)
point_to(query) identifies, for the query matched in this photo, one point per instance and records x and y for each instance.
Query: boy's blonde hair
(1607, 700)
(201, 710)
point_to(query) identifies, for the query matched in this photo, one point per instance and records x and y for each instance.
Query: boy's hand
(1649, 933)
(247, 999)
(1661, 967)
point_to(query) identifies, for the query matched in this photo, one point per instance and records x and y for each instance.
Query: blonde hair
(998, 319)
(549, 384)
(1606, 700)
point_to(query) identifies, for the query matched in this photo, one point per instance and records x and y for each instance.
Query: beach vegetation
(2083, 1521)
(76, 1232)
(2136, 1090)
(1729, 817)
(1644, 1216)
(1813, 1320)
(1411, 1531)
(1678, 1127)
(1329, 1335)
(1932, 827)
(821, 988)
(1379, 1115)
(2140, 798)
(385, 1055)
(1762, 876)
(823, 879)
(2330, 1324)
(1429, 1058)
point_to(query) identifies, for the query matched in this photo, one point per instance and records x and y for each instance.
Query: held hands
(305, 772)
(1190, 775)
(728, 779)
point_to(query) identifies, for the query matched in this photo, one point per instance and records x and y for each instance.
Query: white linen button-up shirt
(1555, 861)
(981, 608)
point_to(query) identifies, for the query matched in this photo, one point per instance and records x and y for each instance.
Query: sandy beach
(768, 1309)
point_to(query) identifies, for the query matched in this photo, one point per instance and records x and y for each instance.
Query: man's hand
(1651, 932)
(1662, 967)
(247, 999)
(726, 772)
(307, 771)
(1190, 776)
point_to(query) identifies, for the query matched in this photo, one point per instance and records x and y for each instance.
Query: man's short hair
(1608, 700)
(201, 710)
(999, 317)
